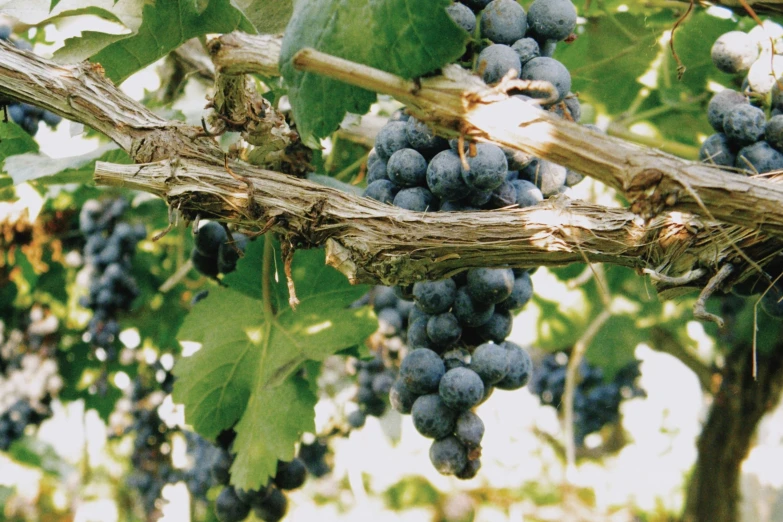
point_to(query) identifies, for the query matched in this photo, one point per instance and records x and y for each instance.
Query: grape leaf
(267, 16)
(404, 37)
(165, 26)
(604, 57)
(14, 140)
(36, 12)
(243, 371)
(693, 42)
(82, 47)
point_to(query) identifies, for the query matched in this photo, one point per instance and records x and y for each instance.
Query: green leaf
(267, 16)
(613, 50)
(47, 171)
(26, 269)
(88, 44)
(165, 26)
(404, 37)
(14, 140)
(38, 12)
(274, 420)
(243, 371)
(693, 42)
(614, 345)
(38, 454)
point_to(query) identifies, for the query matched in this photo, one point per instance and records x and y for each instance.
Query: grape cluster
(745, 140)
(29, 376)
(457, 328)
(522, 44)
(26, 116)
(214, 252)
(439, 391)
(269, 502)
(459, 354)
(596, 402)
(108, 252)
(374, 382)
(151, 458)
(375, 377)
(748, 126)
(412, 168)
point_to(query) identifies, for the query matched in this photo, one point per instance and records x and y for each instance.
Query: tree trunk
(713, 492)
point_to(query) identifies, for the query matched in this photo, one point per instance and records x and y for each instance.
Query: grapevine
(201, 316)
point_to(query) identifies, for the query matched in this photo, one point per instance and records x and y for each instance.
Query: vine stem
(577, 354)
(266, 279)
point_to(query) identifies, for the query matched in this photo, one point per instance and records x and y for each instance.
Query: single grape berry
(773, 132)
(744, 124)
(528, 194)
(444, 330)
(356, 419)
(503, 22)
(527, 49)
(290, 475)
(469, 429)
(520, 294)
(229, 508)
(468, 312)
(228, 253)
(759, 158)
(444, 176)
(519, 367)
(448, 455)
(206, 265)
(382, 383)
(421, 137)
(462, 16)
(407, 168)
(434, 297)
(391, 138)
(734, 52)
(417, 199)
(456, 358)
(470, 470)
(376, 172)
(550, 70)
(490, 285)
(762, 74)
(209, 237)
(461, 389)
(382, 190)
(487, 169)
(490, 362)
(273, 507)
(497, 328)
(421, 371)
(219, 468)
(551, 20)
(401, 398)
(417, 334)
(720, 104)
(717, 150)
(496, 61)
(432, 417)
(547, 176)
(503, 196)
